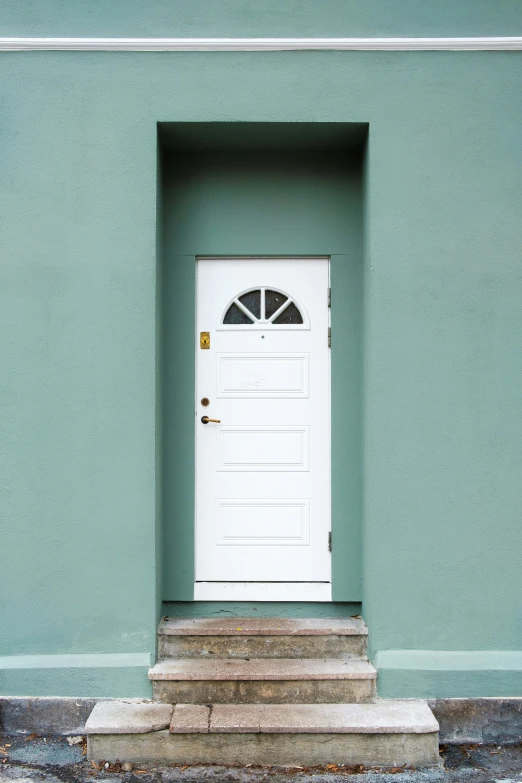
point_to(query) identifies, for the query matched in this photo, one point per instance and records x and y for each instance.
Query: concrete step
(264, 637)
(262, 681)
(385, 733)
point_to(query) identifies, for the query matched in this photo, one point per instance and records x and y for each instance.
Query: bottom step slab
(286, 750)
(386, 733)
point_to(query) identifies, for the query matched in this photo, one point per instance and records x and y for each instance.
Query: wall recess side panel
(346, 369)
(178, 424)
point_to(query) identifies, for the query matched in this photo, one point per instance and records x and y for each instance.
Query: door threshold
(262, 591)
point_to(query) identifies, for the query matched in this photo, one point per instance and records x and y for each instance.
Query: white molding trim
(76, 661)
(262, 591)
(490, 43)
(450, 660)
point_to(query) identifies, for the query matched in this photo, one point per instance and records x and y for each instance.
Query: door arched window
(265, 308)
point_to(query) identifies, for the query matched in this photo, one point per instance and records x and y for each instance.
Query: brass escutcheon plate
(204, 340)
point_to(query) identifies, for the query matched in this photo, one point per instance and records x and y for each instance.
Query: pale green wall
(443, 420)
(229, 18)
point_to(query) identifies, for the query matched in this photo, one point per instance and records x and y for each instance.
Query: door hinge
(329, 297)
(329, 337)
(329, 542)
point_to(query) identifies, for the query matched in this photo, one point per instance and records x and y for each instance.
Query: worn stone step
(262, 637)
(262, 680)
(385, 733)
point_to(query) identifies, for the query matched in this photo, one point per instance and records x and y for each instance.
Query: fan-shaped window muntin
(264, 307)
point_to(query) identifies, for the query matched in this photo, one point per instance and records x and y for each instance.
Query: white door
(262, 470)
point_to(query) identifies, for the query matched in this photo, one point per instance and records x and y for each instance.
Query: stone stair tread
(128, 716)
(380, 717)
(262, 626)
(384, 716)
(262, 669)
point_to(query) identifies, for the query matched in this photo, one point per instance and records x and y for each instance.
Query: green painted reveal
(262, 609)
(269, 202)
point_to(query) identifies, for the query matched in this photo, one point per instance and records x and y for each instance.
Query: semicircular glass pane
(252, 301)
(273, 301)
(290, 315)
(234, 315)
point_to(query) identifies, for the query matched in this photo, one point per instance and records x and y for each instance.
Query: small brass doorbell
(204, 340)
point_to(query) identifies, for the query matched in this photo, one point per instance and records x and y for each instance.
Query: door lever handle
(205, 420)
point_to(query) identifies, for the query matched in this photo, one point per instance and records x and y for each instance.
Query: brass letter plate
(204, 339)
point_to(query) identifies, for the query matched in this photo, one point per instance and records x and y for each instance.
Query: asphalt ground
(36, 759)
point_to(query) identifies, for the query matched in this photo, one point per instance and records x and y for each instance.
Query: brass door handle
(205, 420)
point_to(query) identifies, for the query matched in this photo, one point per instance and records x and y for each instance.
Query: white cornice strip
(259, 44)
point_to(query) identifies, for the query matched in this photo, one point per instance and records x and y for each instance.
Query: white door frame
(259, 591)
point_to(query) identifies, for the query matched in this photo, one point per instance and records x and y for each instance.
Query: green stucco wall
(442, 420)
(229, 18)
